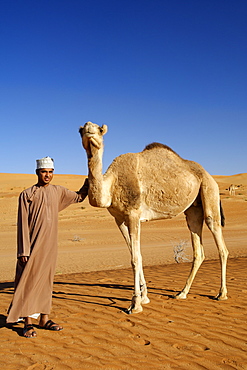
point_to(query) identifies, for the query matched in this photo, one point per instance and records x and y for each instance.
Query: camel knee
(136, 263)
(198, 261)
(223, 254)
(199, 256)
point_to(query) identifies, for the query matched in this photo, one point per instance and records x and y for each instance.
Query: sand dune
(93, 287)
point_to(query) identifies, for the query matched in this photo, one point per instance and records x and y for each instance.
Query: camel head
(92, 134)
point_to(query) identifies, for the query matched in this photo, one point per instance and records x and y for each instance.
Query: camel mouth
(89, 140)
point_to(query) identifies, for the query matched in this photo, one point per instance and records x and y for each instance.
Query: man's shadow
(6, 285)
(13, 327)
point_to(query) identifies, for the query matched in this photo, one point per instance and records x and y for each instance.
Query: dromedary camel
(154, 184)
(232, 189)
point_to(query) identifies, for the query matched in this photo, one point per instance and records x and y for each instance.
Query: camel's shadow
(113, 299)
(104, 298)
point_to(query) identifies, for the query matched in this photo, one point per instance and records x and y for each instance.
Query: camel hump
(158, 145)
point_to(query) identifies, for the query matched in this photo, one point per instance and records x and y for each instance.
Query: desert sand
(93, 287)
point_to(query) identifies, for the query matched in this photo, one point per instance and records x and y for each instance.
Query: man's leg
(28, 330)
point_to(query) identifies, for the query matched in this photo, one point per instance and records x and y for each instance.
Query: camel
(154, 184)
(232, 189)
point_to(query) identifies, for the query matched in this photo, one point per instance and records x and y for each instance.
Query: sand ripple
(197, 333)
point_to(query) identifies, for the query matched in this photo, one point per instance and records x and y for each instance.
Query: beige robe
(37, 238)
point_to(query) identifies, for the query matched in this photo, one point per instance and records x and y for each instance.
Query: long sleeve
(23, 234)
(69, 197)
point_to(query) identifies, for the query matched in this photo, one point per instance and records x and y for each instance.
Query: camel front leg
(143, 285)
(134, 226)
(142, 282)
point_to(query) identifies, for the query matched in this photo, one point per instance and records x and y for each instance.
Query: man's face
(45, 176)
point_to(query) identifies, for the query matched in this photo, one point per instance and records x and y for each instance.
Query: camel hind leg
(194, 218)
(214, 218)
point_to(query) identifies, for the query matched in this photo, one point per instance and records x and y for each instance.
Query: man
(37, 248)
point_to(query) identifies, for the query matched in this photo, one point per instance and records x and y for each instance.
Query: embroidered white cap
(45, 162)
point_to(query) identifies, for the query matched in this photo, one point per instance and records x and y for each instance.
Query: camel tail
(222, 215)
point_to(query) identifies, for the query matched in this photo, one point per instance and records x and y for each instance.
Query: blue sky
(168, 71)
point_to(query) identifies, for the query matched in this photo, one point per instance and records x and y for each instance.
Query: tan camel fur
(154, 184)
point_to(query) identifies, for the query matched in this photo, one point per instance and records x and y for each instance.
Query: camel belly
(162, 201)
(148, 214)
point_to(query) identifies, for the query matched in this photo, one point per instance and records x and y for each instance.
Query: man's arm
(23, 237)
(68, 197)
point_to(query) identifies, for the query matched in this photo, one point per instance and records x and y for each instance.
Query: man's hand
(84, 189)
(23, 259)
(85, 186)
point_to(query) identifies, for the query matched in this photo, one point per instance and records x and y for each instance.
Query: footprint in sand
(127, 323)
(138, 340)
(193, 347)
(142, 342)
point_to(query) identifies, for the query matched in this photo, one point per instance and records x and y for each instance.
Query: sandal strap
(49, 323)
(28, 327)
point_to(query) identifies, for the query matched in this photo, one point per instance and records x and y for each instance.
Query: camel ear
(104, 129)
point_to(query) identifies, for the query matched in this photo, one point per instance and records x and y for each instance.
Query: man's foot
(51, 325)
(29, 332)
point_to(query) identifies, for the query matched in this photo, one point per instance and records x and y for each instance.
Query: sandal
(51, 325)
(26, 329)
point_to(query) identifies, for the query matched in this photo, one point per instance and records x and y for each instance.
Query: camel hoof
(220, 298)
(137, 310)
(131, 310)
(145, 300)
(180, 296)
